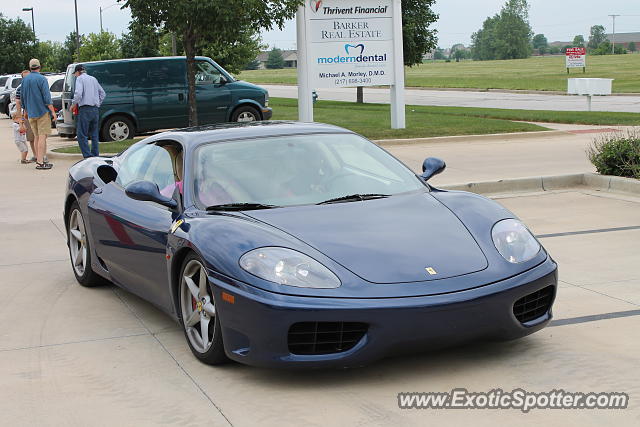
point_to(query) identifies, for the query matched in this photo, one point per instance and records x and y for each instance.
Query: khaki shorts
(41, 125)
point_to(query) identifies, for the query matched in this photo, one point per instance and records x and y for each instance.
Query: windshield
(16, 82)
(295, 170)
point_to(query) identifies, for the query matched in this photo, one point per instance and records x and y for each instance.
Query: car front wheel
(198, 313)
(245, 114)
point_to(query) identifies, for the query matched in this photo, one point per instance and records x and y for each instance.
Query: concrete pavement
(76, 356)
(455, 98)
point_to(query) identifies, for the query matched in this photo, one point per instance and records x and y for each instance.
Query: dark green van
(146, 94)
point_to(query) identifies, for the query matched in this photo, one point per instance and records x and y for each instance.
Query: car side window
(154, 163)
(135, 164)
(206, 73)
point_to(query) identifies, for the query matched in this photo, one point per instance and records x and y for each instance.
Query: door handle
(181, 97)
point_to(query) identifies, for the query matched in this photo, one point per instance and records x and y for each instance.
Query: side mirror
(432, 166)
(146, 191)
(223, 80)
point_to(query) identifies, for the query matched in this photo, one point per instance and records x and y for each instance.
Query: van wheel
(245, 114)
(117, 128)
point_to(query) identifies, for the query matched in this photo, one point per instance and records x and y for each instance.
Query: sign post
(349, 43)
(576, 58)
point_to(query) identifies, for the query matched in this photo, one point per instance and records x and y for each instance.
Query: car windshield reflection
(298, 170)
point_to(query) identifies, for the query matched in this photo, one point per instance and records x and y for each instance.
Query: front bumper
(267, 112)
(256, 324)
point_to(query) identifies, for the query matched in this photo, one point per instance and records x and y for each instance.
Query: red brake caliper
(193, 303)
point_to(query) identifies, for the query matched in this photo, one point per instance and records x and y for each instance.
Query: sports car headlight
(514, 241)
(288, 267)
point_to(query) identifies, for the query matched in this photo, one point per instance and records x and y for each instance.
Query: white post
(305, 101)
(398, 120)
(589, 102)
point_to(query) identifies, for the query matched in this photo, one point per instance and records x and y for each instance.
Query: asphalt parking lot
(76, 356)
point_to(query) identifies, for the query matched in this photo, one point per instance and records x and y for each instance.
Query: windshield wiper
(239, 207)
(354, 198)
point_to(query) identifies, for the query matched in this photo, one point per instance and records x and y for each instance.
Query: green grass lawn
(535, 73)
(105, 147)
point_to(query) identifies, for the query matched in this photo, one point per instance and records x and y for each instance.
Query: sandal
(43, 165)
(26, 161)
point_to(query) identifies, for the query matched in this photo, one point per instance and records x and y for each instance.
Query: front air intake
(534, 305)
(324, 337)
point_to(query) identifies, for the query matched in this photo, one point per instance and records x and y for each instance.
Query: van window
(115, 74)
(16, 82)
(160, 73)
(206, 73)
(57, 86)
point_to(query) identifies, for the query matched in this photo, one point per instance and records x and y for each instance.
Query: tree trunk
(189, 50)
(360, 95)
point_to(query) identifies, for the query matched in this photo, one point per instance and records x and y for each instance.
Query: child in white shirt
(20, 138)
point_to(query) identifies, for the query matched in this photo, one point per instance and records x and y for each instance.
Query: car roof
(229, 131)
(152, 58)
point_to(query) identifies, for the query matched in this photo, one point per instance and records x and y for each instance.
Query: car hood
(392, 240)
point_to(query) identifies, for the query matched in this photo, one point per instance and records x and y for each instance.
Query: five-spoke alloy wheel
(198, 313)
(80, 249)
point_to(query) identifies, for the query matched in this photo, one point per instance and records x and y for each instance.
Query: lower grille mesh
(324, 337)
(534, 305)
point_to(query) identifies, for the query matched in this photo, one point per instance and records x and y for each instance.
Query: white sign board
(350, 42)
(576, 57)
(344, 43)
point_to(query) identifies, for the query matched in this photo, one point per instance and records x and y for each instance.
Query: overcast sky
(559, 20)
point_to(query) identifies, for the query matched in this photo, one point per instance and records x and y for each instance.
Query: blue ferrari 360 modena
(297, 244)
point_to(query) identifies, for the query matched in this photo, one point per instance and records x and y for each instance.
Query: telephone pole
(613, 37)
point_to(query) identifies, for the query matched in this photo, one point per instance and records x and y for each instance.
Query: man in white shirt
(87, 98)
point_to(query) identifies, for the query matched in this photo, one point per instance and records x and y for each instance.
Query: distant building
(290, 59)
(623, 39)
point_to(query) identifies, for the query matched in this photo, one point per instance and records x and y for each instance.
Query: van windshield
(69, 78)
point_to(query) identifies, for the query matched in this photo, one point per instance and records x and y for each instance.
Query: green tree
(69, 46)
(417, 37)
(554, 50)
(52, 56)
(459, 54)
(235, 57)
(142, 41)
(275, 59)
(253, 65)
(17, 45)
(596, 37)
(578, 41)
(631, 47)
(540, 42)
(506, 35)
(99, 47)
(210, 23)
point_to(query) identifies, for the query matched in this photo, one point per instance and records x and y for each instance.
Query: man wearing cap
(88, 97)
(36, 100)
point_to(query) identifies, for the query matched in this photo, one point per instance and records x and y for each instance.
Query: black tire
(86, 277)
(117, 128)
(71, 136)
(6, 110)
(214, 354)
(244, 112)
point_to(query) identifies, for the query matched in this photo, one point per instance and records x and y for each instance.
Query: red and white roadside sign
(576, 57)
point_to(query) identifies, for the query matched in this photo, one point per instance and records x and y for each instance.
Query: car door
(130, 236)
(212, 95)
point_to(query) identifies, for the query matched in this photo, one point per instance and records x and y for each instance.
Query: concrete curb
(548, 183)
(468, 138)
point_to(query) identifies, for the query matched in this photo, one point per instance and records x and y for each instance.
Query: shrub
(617, 154)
